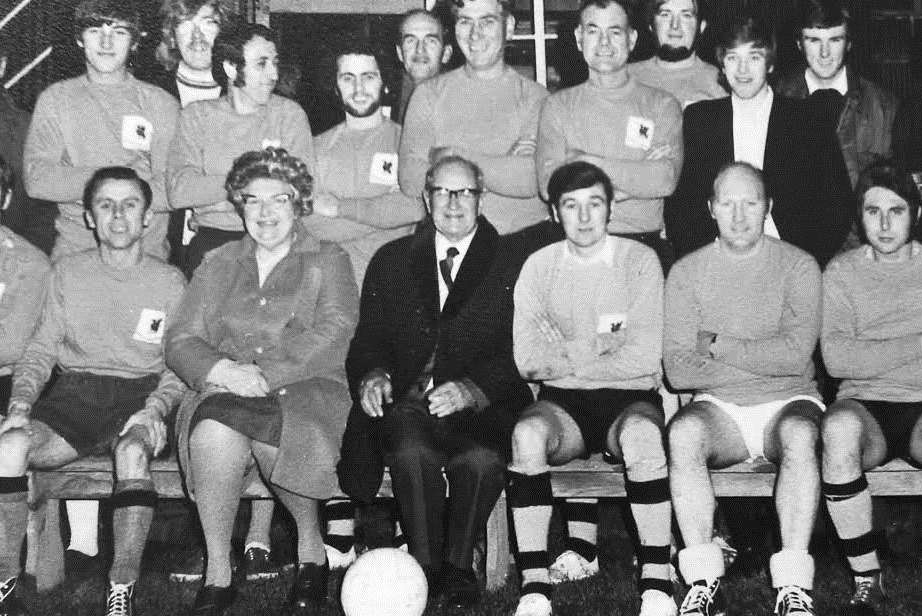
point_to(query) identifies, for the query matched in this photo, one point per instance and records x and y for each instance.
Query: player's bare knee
(686, 435)
(14, 452)
(640, 439)
(530, 442)
(132, 457)
(840, 428)
(798, 436)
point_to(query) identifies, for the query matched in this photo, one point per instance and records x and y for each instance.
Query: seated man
(588, 325)
(742, 320)
(432, 357)
(102, 325)
(871, 340)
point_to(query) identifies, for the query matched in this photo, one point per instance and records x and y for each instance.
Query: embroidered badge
(610, 323)
(383, 169)
(150, 326)
(137, 133)
(639, 133)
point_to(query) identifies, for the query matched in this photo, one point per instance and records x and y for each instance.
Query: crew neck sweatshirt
(79, 126)
(104, 320)
(484, 117)
(688, 84)
(872, 326)
(764, 308)
(621, 125)
(583, 298)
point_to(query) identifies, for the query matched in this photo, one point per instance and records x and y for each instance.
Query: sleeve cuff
(476, 394)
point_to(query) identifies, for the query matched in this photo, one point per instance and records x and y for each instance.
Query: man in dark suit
(432, 358)
(802, 163)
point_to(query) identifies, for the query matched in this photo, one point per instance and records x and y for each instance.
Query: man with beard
(422, 50)
(676, 67)
(211, 134)
(356, 195)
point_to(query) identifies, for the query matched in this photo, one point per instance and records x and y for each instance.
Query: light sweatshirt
(872, 326)
(584, 297)
(765, 310)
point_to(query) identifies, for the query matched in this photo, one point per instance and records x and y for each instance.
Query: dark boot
(213, 600)
(310, 588)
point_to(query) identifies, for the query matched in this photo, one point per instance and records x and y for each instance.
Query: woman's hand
(245, 380)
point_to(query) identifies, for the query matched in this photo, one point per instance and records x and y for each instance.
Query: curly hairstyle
(276, 164)
(95, 13)
(173, 13)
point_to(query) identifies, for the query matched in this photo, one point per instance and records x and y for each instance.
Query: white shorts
(752, 420)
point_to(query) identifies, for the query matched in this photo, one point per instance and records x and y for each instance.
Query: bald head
(739, 207)
(742, 171)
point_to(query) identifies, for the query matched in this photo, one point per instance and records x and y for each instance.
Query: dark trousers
(417, 447)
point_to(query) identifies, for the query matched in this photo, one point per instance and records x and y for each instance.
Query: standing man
(432, 361)
(422, 50)
(860, 111)
(100, 118)
(640, 148)
(676, 68)
(102, 325)
(483, 111)
(588, 326)
(871, 337)
(211, 134)
(357, 201)
(801, 161)
(742, 320)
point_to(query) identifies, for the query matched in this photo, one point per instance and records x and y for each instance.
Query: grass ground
(611, 593)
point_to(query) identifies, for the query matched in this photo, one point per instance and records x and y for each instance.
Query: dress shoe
(459, 587)
(213, 600)
(310, 588)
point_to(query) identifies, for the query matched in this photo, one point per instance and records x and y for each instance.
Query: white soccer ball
(384, 582)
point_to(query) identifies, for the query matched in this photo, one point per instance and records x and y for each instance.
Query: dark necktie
(446, 264)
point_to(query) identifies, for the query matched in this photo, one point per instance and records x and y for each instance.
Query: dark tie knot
(451, 253)
(446, 265)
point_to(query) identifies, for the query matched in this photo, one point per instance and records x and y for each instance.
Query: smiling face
(119, 214)
(746, 69)
(675, 24)
(106, 48)
(887, 222)
(605, 37)
(454, 215)
(260, 71)
(739, 207)
(269, 212)
(195, 37)
(824, 50)
(359, 84)
(584, 215)
(422, 49)
(480, 30)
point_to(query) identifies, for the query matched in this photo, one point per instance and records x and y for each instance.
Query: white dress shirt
(442, 245)
(750, 132)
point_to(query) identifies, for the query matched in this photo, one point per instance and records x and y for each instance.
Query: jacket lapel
(473, 269)
(423, 265)
(723, 143)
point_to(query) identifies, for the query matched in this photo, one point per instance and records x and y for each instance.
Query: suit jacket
(804, 172)
(401, 326)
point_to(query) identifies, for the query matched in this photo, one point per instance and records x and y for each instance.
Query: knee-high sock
(340, 525)
(582, 516)
(531, 499)
(14, 513)
(849, 506)
(133, 502)
(652, 513)
(83, 519)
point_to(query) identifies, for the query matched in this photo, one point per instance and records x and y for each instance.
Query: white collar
(762, 101)
(605, 256)
(840, 82)
(442, 244)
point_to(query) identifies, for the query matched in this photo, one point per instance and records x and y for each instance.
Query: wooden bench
(92, 479)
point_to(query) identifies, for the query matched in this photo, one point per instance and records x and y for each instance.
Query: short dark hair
(823, 14)
(95, 13)
(505, 6)
(574, 176)
(885, 173)
(652, 8)
(626, 5)
(454, 159)
(747, 29)
(276, 164)
(228, 47)
(105, 174)
(174, 12)
(360, 47)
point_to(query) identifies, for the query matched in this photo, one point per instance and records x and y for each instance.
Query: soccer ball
(384, 582)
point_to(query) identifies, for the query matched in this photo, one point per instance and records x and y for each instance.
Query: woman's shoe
(213, 600)
(310, 587)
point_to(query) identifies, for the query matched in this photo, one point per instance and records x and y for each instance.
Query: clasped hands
(376, 390)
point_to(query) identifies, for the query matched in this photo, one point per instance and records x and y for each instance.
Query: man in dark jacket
(432, 358)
